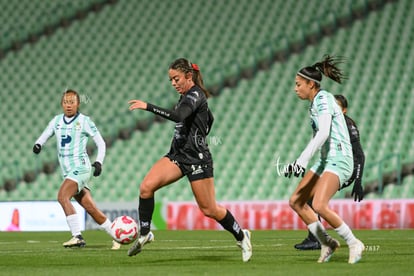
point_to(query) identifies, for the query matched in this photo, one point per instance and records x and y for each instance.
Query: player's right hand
(295, 169)
(37, 148)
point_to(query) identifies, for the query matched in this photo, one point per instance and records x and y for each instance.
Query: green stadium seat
(258, 118)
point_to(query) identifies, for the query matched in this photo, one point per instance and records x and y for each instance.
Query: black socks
(145, 210)
(231, 225)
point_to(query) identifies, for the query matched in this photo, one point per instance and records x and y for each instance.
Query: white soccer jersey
(71, 140)
(338, 142)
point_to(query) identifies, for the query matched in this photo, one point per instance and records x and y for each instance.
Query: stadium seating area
(123, 51)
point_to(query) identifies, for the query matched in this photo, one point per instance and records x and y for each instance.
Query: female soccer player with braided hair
(335, 165)
(189, 155)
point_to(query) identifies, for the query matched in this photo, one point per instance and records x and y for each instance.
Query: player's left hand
(295, 169)
(137, 104)
(357, 191)
(98, 168)
(37, 148)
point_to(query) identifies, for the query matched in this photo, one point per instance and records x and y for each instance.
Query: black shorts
(195, 172)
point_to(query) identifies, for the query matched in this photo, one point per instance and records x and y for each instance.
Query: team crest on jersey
(77, 126)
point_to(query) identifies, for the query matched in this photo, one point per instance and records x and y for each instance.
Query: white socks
(106, 226)
(74, 224)
(345, 232)
(317, 229)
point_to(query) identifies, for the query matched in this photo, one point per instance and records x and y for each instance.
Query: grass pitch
(201, 253)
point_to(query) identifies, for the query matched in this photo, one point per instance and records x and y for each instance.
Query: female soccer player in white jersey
(310, 242)
(335, 165)
(72, 130)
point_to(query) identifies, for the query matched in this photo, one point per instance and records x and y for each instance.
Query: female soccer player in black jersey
(310, 242)
(189, 155)
(358, 153)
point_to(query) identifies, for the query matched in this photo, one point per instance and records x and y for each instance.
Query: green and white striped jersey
(71, 140)
(338, 142)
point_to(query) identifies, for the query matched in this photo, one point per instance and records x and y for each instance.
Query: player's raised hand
(137, 104)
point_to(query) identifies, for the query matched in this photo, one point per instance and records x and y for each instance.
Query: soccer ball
(124, 229)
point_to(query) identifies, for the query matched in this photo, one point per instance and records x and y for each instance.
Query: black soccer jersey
(358, 153)
(193, 123)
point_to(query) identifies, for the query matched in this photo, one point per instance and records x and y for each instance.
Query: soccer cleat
(76, 241)
(328, 250)
(115, 245)
(308, 244)
(355, 252)
(139, 243)
(246, 246)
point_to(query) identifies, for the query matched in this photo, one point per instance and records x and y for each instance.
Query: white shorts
(80, 175)
(342, 166)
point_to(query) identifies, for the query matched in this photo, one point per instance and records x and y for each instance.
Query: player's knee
(62, 199)
(146, 189)
(293, 203)
(319, 207)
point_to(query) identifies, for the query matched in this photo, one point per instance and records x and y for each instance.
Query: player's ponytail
(328, 67)
(186, 66)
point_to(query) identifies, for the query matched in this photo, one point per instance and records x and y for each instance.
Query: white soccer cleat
(115, 245)
(76, 241)
(355, 252)
(246, 246)
(139, 243)
(328, 250)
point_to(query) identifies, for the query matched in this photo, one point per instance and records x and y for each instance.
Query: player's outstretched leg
(246, 246)
(139, 243)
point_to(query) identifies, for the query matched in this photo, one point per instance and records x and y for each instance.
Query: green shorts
(80, 175)
(342, 166)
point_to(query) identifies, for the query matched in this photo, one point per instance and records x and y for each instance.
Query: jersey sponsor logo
(196, 169)
(66, 139)
(161, 112)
